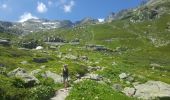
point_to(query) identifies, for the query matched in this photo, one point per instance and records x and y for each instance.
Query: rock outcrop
(28, 79)
(4, 42)
(40, 60)
(57, 78)
(149, 90)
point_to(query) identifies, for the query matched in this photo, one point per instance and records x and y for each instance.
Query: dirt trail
(61, 94)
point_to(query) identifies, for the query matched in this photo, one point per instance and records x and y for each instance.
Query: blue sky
(21, 10)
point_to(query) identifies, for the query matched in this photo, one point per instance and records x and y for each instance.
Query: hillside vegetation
(139, 48)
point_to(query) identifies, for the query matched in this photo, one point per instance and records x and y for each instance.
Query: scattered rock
(83, 58)
(42, 67)
(154, 65)
(130, 79)
(77, 81)
(3, 71)
(78, 76)
(53, 47)
(57, 78)
(97, 48)
(152, 90)
(114, 63)
(39, 48)
(35, 71)
(123, 76)
(40, 60)
(117, 87)
(29, 79)
(135, 83)
(5, 42)
(95, 77)
(126, 77)
(24, 62)
(91, 69)
(149, 90)
(129, 91)
(72, 57)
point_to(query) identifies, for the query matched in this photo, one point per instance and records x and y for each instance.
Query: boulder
(42, 67)
(117, 87)
(35, 71)
(149, 90)
(72, 57)
(83, 58)
(91, 69)
(114, 63)
(123, 76)
(24, 62)
(95, 77)
(57, 78)
(39, 48)
(155, 66)
(3, 70)
(28, 79)
(130, 79)
(4, 42)
(129, 91)
(152, 90)
(97, 48)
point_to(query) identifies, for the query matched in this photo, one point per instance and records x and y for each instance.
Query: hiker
(65, 75)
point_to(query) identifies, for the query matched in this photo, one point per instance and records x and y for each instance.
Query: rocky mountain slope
(151, 9)
(33, 25)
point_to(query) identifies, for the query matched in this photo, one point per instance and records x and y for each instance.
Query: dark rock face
(40, 60)
(97, 48)
(87, 20)
(2, 65)
(5, 42)
(33, 25)
(110, 17)
(54, 39)
(30, 45)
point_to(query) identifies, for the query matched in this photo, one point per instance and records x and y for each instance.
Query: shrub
(18, 83)
(41, 92)
(91, 90)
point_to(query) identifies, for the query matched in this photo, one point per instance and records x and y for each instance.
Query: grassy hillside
(138, 48)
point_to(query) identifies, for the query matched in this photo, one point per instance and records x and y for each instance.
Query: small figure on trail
(65, 75)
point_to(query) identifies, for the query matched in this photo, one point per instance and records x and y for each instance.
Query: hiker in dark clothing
(65, 75)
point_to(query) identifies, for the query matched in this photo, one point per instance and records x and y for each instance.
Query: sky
(74, 10)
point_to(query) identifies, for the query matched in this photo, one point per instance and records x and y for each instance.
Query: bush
(18, 83)
(41, 92)
(91, 90)
(9, 92)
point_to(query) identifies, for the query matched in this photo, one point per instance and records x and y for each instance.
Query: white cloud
(68, 7)
(101, 19)
(26, 16)
(4, 6)
(41, 7)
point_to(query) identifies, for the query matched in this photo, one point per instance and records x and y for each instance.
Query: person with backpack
(65, 75)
